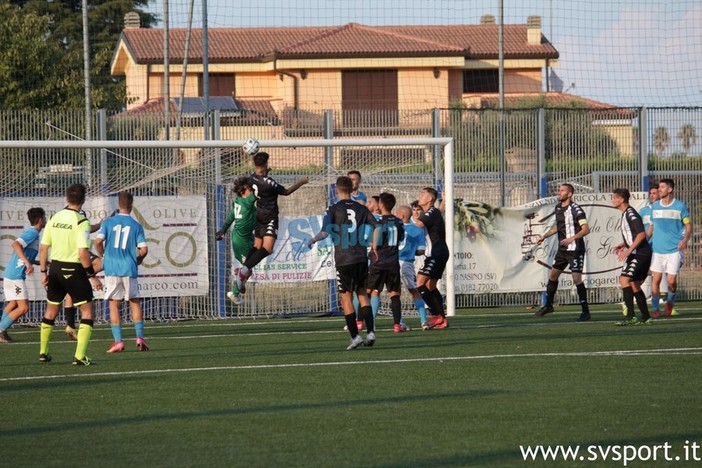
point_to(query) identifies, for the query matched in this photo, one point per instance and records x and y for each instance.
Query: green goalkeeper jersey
(243, 216)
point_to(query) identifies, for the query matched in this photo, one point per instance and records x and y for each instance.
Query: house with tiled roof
(343, 68)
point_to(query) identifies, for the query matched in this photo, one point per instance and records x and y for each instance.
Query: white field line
(633, 352)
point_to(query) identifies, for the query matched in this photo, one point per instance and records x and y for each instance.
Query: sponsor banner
(495, 249)
(176, 233)
(291, 260)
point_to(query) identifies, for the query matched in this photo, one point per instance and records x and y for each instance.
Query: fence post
(541, 153)
(644, 176)
(220, 201)
(102, 135)
(328, 134)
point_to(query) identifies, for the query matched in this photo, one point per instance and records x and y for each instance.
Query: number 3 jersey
(349, 225)
(121, 236)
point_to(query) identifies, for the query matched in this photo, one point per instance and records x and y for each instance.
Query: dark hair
(260, 159)
(344, 184)
(241, 184)
(125, 200)
(668, 182)
(414, 204)
(354, 172)
(570, 188)
(430, 190)
(622, 192)
(376, 198)
(387, 200)
(35, 214)
(653, 186)
(75, 194)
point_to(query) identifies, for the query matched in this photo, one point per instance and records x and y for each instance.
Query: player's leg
(114, 294)
(55, 293)
(675, 263)
(131, 286)
(627, 294)
(409, 281)
(69, 313)
(81, 290)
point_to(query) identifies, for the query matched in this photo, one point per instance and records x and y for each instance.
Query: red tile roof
(350, 40)
(554, 100)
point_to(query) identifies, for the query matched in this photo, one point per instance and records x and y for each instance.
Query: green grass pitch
(287, 393)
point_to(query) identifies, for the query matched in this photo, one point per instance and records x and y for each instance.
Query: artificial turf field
(285, 392)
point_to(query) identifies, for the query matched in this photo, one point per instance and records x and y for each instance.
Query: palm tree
(661, 140)
(688, 136)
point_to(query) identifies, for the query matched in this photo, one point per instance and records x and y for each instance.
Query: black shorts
(68, 278)
(389, 279)
(351, 278)
(434, 265)
(266, 224)
(636, 267)
(570, 258)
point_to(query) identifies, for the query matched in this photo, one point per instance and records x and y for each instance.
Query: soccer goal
(183, 192)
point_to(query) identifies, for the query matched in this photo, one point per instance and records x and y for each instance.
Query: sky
(621, 52)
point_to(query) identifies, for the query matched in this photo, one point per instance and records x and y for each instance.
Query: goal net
(183, 192)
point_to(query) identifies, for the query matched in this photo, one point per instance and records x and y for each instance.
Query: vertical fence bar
(644, 175)
(328, 133)
(541, 153)
(220, 202)
(437, 151)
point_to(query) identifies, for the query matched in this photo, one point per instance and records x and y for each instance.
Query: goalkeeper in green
(243, 216)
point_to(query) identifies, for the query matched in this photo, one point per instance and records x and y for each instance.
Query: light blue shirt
(668, 225)
(414, 240)
(360, 197)
(122, 236)
(16, 269)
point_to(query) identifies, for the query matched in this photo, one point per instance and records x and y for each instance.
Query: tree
(50, 44)
(688, 136)
(661, 140)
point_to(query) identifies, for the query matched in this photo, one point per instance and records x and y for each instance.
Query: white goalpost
(182, 195)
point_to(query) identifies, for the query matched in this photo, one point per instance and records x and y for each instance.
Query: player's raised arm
(304, 180)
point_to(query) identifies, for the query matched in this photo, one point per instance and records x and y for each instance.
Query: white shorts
(669, 263)
(121, 287)
(408, 274)
(15, 290)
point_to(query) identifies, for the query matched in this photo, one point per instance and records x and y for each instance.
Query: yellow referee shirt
(66, 232)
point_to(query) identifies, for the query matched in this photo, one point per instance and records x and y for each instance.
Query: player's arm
(686, 235)
(296, 185)
(219, 235)
(143, 252)
(19, 250)
(584, 231)
(100, 246)
(43, 263)
(553, 230)
(326, 224)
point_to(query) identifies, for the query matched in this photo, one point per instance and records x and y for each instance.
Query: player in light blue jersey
(670, 232)
(413, 245)
(122, 244)
(356, 194)
(24, 252)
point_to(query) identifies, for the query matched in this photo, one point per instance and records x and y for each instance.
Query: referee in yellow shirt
(68, 235)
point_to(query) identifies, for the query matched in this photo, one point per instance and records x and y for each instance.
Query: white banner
(291, 260)
(176, 234)
(495, 248)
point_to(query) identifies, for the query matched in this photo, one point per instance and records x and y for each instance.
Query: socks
(85, 331)
(366, 314)
(430, 300)
(656, 302)
(422, 309)
(139, 328)
(47, 326)
(628, 295)
(375, 305)
(254, 259)
(643, 305)
(551, 288)
(582, 295)
(439, 301)
(117, 333)
(670, 298)
(70, 315)
(351, 324)
(396, 307)
(6, 322)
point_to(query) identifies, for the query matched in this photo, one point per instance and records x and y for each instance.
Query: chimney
(534, 30)
(487, 19)
(132, 20)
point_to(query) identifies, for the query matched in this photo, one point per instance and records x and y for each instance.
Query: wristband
(90, 271)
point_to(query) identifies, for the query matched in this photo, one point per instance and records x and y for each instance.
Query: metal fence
(510, 158)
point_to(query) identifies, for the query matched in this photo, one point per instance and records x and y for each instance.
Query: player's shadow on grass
(183, 417)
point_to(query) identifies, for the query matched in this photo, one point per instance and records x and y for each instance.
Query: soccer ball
(251, 146)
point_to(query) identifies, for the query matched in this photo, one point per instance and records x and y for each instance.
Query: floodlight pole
(501, 84)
